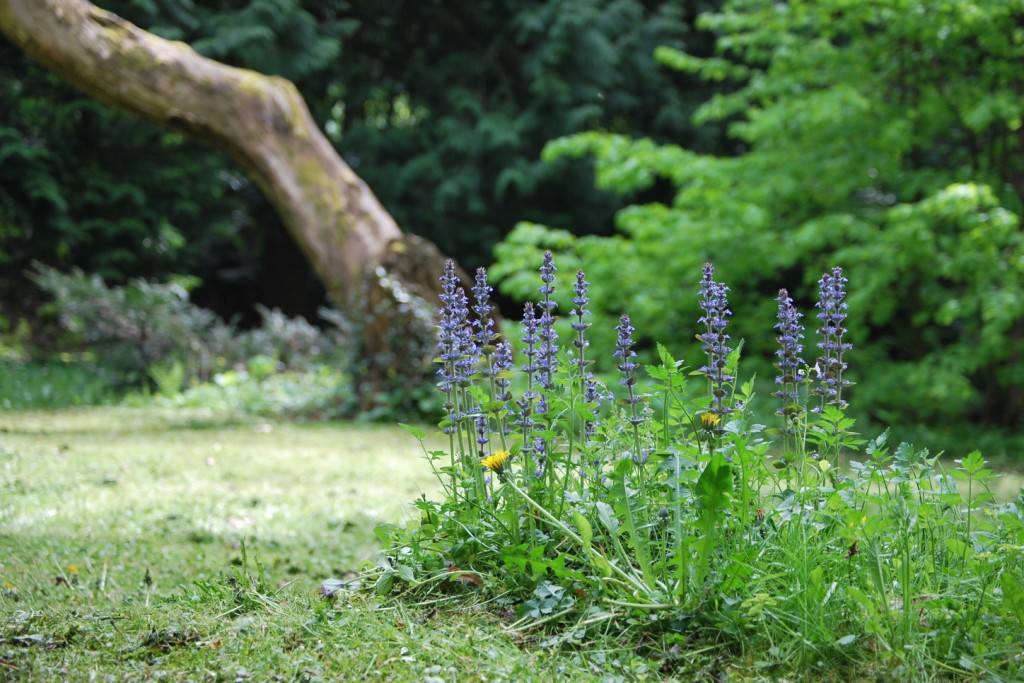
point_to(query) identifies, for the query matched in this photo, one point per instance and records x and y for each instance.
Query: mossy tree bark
(263, 123)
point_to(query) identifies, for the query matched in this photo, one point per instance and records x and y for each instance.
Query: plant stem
(575, 537)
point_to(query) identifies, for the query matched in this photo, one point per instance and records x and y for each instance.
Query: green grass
(149, 544)
(122, 557)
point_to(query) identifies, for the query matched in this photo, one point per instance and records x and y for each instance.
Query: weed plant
(669, 516)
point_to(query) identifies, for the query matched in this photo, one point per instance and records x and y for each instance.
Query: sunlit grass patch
(122, 474)
(122, 531)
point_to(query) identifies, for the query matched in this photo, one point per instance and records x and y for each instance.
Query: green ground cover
(142, 544)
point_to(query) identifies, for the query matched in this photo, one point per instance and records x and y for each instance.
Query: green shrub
(148, 329)
(319, 392)
(135, 327)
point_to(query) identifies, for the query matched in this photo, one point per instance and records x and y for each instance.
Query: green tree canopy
(883, 137)
(445, 108)
(86, 186)
(83, 184)
(442, 110)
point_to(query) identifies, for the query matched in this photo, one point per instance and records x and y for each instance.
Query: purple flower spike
(581, 300)
(789, 361)
(448, 323)
(468, 351)
(456, 348)
(547, 358)
(627, 365)
(525, 420)
(624, 349)
(830, 364)
(482, 307)
(547, 276)
(481, 431)
(716, 311)
(502, 369)
(530, 340)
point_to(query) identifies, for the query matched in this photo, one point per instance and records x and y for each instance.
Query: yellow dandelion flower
(496, 461)
(710, 420)
(72, 569)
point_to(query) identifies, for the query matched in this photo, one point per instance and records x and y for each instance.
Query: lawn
(132, 543)
(142, 544)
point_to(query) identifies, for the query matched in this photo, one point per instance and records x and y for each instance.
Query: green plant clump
(670, 517)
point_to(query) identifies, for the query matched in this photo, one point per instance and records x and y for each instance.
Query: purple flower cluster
(789, 362)
(484, 325)
(830, 364)
(547, 358)
(455, 348)
(716, 311)
(468, 350)
(627, 365)
(579, 325)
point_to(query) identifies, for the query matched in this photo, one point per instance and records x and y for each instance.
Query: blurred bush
(152, 330)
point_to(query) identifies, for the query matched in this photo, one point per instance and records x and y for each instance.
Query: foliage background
(442, 112)
(880, 137)
(775, 139)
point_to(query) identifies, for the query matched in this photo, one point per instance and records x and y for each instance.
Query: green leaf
(958, 548)
(587, 534)
(875, 567)
(601, 564)
(658, 372)
(872, 623)
(584, 528)
(667, 359)
(974, 465)
(1013, 594)
(713, 492)
(417, 433)
(607, 517)
(814, 579)
(747, 389)
(715, 486)
(384, 583)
